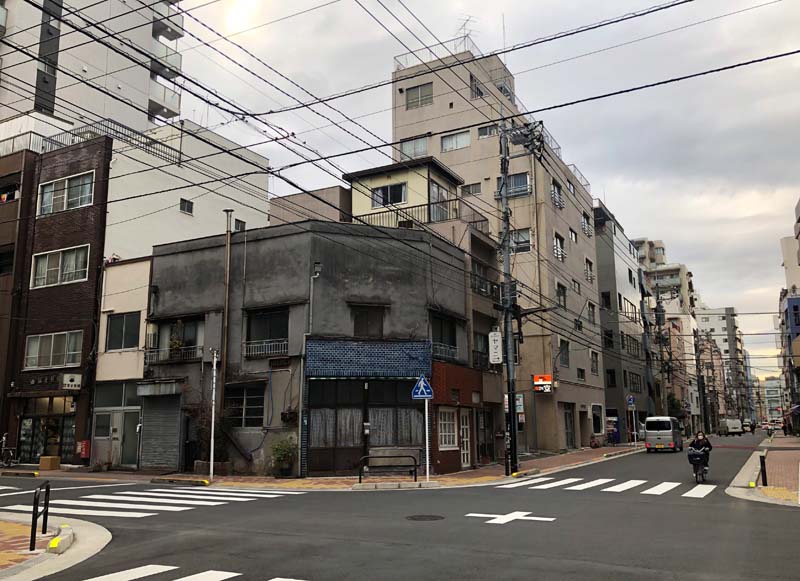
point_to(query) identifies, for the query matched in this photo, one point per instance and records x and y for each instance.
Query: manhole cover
(425, 517)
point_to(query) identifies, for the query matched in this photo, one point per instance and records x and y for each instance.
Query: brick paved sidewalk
(14, 543)
(781, 441)
(782, 474)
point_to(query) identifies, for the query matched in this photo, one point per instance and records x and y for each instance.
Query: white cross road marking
(249, 490)
(524, 482)
(590, 484)
(700, 491)
(502, 519)
(625, 486)
(68, 488)
(91, 504)
(77, 511)
(217, 492)
(661, 488)
(8, 488)
(176, 494)
(209, 576)
(556, 483)
(132, 574)
(127, 497)
(284, 579)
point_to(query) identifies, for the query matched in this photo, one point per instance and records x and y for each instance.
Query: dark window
(564, 352)
(239, 225)
(123, 331)
(388, 195)
(268, 325)
(606, 297)
(187, 206)
(561, 294)
(368, 322)
(244, 406)
(443, 331)
(108, 395)
(591, 312)
(573, 235)
(611, 378)
(471, 189)
(595, 362)
(658, 425)
(9, 193)
(581, 374)
(576, 286)
(625, 378)
(597, 419)
(6, 260)
(102, 425)
(608, 338)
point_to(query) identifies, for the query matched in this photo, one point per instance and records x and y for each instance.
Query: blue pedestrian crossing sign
(422, 390)
(631, 400)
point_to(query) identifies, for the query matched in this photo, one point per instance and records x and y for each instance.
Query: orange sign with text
(543, 383)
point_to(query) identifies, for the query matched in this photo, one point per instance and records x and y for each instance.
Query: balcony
(587, 228)
(581, 178)
(559, 252)
(406, 217)
(266, 348)
(30, 140)
(444, 352)
(166, 62)
(558, 198)
(480, 360)
(515, 191)
(164, 102)
(588, 274)
(167, 21)
(173, 355)
(483, 286)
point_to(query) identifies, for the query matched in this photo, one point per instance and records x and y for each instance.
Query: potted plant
(284, 451)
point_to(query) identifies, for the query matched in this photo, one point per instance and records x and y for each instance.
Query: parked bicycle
(8, 455)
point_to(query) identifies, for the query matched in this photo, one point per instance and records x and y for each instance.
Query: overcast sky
(709, 166)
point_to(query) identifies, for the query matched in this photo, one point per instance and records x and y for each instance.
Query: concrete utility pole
(509, 302)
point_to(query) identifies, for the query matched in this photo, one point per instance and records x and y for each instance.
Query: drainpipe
(300, 425)
(226, 303)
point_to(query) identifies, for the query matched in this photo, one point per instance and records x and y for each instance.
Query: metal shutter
(161, 432)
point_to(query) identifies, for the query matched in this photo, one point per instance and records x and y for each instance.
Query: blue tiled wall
(350, 358)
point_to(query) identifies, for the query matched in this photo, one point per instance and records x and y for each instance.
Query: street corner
(15, 544)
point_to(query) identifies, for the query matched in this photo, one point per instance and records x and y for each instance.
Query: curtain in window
(59, 195)
(74, 346)
(59, 348)
(45, 350)
(69, 265)
(349, 427)
(79, 191)
(40, 271)
(382, 429)
(32, 352)
(53, 267)
(323, 428)
(410, 427)
(46, 202)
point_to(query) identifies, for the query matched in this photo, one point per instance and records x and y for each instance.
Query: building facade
(723, 328)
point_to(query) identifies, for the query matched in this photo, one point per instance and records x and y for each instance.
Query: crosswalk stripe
(700, 491)
(627, 485)
(77, 511)
(131, 574)
(172, 493)
(556, 483)
(210, 576)
(590, 484)
(127, 497)
(90, 504)
(525, 482)
(221, 489)
(661, 488)
(207, 492)
(8, 488)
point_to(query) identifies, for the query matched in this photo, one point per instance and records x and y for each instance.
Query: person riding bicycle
(701, 444)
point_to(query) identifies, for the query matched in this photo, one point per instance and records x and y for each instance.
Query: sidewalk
(783, 468)
(14, 542)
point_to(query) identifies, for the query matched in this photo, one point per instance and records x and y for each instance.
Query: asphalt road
(671, 532)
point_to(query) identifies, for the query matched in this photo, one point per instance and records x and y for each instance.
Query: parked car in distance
(746, 425)
(663, 433)
(730, 427)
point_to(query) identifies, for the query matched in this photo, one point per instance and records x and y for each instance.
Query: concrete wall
(336, 206)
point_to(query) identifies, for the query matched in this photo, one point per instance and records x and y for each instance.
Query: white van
(663, 433)
(730, 427)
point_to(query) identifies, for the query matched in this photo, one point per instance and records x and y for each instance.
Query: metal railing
(483, 286)
(559, 252)
(558, 198)
(265, 348)
(588, 274)
(515, 191)
(172, 354)
(30, 140)
(581, 178)
(444, 351)
(406, 217)
(438, 51)
(587, 228)
(36, 513)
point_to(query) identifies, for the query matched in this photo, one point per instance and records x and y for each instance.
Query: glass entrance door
(466, 457)
(130, 439)
(569, 424)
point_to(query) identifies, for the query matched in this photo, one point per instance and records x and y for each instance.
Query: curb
(63, 541)
(395, 485)
(754, 495)
(622, 452)
(189, 481)
(24, 473)
(521, 473)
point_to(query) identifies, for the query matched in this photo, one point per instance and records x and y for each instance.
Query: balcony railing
(581, 178)
(515, 191)
(406, 217)
(30, 140)
(559, 252)
(558, 198)
(436, 52)
(480, 360)
(484, 286)
(173, 354)
(587, 228)
(266, 348)
(444, 352)
(589, 274)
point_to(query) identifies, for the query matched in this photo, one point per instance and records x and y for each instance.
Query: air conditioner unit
(71, 381)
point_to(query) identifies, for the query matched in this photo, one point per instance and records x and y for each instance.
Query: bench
(389, 460)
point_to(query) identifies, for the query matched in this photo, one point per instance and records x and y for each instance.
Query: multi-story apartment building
(773, 396)
(723, 328)
(712, 368)
(617, 273)
(327, 353)
(450, 114)
(49, 67)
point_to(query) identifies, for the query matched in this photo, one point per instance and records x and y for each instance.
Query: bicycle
(697, 459)
(7, 454)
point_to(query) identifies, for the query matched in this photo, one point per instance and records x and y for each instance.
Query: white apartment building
(773, 396)
(722, 326)
(553, 232)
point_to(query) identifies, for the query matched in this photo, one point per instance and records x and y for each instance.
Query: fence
(36, 513)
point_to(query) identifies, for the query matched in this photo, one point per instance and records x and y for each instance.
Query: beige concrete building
(553, 235)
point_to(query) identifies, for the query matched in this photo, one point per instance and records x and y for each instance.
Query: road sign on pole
(423, 390)
(495, 348)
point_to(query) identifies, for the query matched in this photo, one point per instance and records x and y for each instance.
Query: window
(586, 225)
(9, 193)
(521, 240)
(556, 195)
(419, 96)
(597, 419)
(47, 65)
(455, 141)
(571, 187)
(476, 90)
(611, 378)
(66, 194)
(388, 195)
(447, 429)
(595, 362)
(187, 206)
(558, 247)
(636, 382)
(270, 325)
(368, 321)
(724, 340)
(54, 350)
(443, 331)
(123, 331)
(244, 406)
(239, 225)
(704, 319)
(588, 270)
(625, 378)
(659, 251)
(581, 374)
(487, 131)
(576, 286)
(471, 189)
(561, 294)
(440, 210)
(722, 318)
(726, 351)
(181, 334)
(7, 259)
(102, 425)
(605, 296)
(623, 340)
(517, 184)
(563, 352)
(60, 267)
(506, 90)
(608, 338)
(573, 236)
(591, 312)
(630, 278)
(412, 148)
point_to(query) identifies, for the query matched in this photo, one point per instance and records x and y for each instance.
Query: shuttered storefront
(161, 437)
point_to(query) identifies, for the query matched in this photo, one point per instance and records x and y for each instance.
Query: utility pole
(509, 302)
(660, 318)
(214, 353)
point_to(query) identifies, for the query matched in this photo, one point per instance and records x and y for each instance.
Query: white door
(465, 440)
